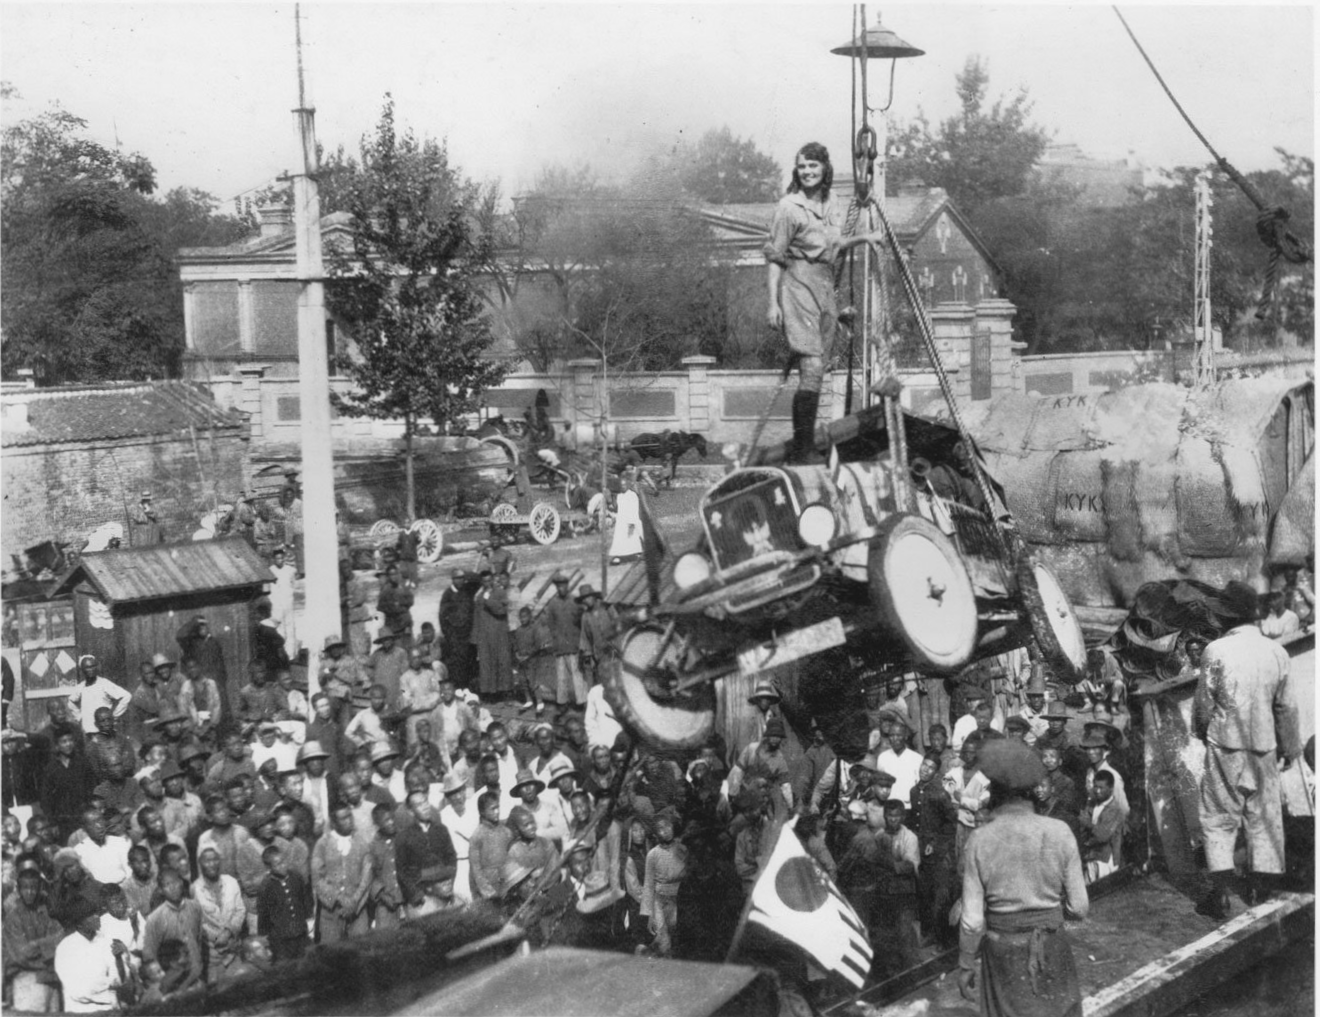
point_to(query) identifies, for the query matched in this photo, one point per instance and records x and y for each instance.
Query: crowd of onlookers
(152, 845)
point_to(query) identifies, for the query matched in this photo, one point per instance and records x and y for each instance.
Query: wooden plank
(1182, 975)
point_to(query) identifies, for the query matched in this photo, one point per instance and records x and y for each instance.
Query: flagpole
(769, 838)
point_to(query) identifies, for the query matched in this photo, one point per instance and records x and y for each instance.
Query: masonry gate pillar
(586, 400)
(954, 326)
(994, 317)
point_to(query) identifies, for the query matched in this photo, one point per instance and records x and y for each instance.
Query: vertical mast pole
(1202, 326)
(321, 567)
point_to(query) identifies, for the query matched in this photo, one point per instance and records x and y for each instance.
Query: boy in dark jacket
(283, 907)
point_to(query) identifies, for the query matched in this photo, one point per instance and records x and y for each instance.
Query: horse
(669, 446)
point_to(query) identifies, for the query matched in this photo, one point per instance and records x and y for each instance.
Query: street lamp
(878, 43)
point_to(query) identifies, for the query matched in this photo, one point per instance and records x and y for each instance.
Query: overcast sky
(204, 90)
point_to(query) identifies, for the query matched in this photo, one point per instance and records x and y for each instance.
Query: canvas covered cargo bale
(1161, 481)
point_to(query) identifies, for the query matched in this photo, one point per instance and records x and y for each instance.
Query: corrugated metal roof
(169, 570)
(79, 413)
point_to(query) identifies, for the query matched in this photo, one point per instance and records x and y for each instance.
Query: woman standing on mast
(805, 242)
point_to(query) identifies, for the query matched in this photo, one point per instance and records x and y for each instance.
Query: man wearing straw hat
(1033, 707)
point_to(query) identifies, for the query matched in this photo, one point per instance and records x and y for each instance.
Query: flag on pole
(795, 899)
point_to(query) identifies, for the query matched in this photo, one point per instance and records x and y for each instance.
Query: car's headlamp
(691, 569)
(817, 525)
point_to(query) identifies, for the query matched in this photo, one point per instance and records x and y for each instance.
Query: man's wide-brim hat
(597, 894)
(383, 750)
(560, 576)
(170, 770)
(562, 768)
(764, 690)
(1036, 683)
(524, 779)
(774, 728)
(1056, 711)
(586, 590)
(312, 750)
(1095, 740)
(171, 713)
(160, 660)
(331, 641)
(191, 750)
(894, 715)
(453, 783)
(512, 874)
(384, 635)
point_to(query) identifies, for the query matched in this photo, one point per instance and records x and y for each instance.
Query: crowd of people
(166, 847)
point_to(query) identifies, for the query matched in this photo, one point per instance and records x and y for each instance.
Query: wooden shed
(129, 604)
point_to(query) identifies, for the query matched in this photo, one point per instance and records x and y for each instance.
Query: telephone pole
(1202, 327)
(321, 545)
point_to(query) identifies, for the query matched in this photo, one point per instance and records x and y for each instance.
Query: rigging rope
(1271, 223)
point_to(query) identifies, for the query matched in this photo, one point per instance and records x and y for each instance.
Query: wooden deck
(1142, 952)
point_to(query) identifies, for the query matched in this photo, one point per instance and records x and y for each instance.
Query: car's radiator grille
(752, 520)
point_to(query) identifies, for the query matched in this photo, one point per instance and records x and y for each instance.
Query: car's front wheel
(1053, 621)
(640, 692)
(923, 593)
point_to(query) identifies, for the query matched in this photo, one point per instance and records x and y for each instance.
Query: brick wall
(64, 492)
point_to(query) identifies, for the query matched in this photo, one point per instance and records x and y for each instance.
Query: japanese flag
(794, 899)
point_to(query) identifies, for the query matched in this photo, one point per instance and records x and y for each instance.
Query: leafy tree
(406, 285)
(590, 270)
(88, 287)
(977, 155)
(718, 169)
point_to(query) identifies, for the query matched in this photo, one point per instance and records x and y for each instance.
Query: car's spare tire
(923, 593)
(1052, 619)
(635, 689)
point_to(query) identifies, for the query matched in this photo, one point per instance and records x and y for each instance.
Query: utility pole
(1202, 327)
(321, 545)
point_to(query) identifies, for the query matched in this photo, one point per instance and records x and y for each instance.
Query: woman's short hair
(816, 152)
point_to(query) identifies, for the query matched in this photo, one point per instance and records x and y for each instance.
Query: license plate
(791, 646)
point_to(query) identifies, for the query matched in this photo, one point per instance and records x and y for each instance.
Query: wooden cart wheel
(544, 523)
(430, 541)
(504, 514)
(384, 531)
(923, 593)
(634, 689)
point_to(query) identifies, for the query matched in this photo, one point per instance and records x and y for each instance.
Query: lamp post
(869, 144)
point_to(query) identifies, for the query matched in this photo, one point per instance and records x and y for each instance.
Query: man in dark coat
(66, 787)
(456, 649)
(269, 640)
(197, 643)
(394, 604)
(424, 854)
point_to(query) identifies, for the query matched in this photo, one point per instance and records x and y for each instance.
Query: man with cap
(66, 786)
(106, 741)
(261, 698)
(1021, 875)
(899, 863)
(765, 697)
(548, 816)
(94, 693)
(1245, 711)
(394, 605)
(1056, 736)
(340, 677)
(547, 755)
(1033, 706)
(563, 619)
(312, 761)
(900, 760)
(491, 637)
(599, 626)
(461, 819)
(183, 809)
(1097, 743)
(387, 664)
(980, 716)
(764, 758)
(145, 527)
(456, 629)
(1279, 620)
(385, 775)
(87, 965)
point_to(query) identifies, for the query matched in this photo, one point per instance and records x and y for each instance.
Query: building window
(275, 318)
(215, 318)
